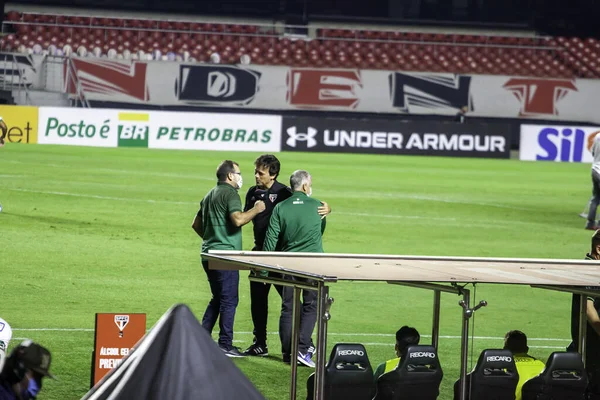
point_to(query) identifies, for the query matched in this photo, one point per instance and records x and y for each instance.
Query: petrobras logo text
(160, 129)
(557, 143)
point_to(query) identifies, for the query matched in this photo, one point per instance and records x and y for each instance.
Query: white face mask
(309, 192)
(240, 182)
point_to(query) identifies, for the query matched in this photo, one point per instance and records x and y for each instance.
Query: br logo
(294, 137)
(121, 321)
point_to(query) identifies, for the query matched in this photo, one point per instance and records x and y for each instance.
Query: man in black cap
(22, 374)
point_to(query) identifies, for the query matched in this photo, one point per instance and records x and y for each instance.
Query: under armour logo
(295, 136)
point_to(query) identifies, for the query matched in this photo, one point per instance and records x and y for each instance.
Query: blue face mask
(34, 388)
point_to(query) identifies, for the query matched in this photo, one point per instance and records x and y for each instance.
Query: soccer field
(87, 230)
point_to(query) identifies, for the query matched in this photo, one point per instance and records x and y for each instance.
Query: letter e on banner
(321, 88)
(115, 336)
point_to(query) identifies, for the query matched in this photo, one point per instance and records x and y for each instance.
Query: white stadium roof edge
(332, 267)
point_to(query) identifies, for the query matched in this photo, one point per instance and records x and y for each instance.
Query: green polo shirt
(296, 225)
(219, 232)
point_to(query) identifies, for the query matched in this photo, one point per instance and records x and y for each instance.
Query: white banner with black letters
(179, 86)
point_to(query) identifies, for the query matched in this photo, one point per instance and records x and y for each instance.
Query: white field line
(277, 333)
(150, 201)
(364, 343)
(91, 196)
(123, 172)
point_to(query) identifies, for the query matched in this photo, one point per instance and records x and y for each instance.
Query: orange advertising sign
(115, 337)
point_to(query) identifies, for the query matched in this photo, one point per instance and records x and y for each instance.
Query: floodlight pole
(295, 331)
(323, 315)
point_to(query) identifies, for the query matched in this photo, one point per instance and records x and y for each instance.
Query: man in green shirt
(296, 226)
(219, 223)
(527, 366)
(405, 336)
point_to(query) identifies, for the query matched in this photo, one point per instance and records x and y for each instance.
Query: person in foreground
(219, 223)
(592, 355)
(23, 373)
(272, 192)
(296, 226)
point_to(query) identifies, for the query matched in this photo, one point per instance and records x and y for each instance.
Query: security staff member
(527, 366)
(296, 226)
(405, 336)
(219, 223)
(272, 192)
(592, 359)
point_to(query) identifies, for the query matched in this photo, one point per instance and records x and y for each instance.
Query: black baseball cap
(35, 357)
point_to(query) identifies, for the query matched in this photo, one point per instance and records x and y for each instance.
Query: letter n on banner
(114, 338)
(322, 88)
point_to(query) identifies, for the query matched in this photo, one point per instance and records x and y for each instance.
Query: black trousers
(259, 308)
(308, 318)
(595, 198)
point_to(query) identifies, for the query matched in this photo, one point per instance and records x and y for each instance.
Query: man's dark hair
(516, 342)
(226, 167)
(269, 161)
(407, 336)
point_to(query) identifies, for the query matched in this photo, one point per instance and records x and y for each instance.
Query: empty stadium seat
(494, 377)
(564, 378)
(417, 377)
(348, 374)
(130, 38)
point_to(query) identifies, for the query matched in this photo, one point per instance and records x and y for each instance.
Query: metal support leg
(295, 336)
(435, 326)
(582, 343)
(322, 317)
(464, 345)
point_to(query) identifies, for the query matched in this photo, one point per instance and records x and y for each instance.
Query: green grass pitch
(87, 230)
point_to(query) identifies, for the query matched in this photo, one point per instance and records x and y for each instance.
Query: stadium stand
(128, 38)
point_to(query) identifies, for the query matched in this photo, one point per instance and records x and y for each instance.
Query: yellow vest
(527, 367)
(390, 365)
